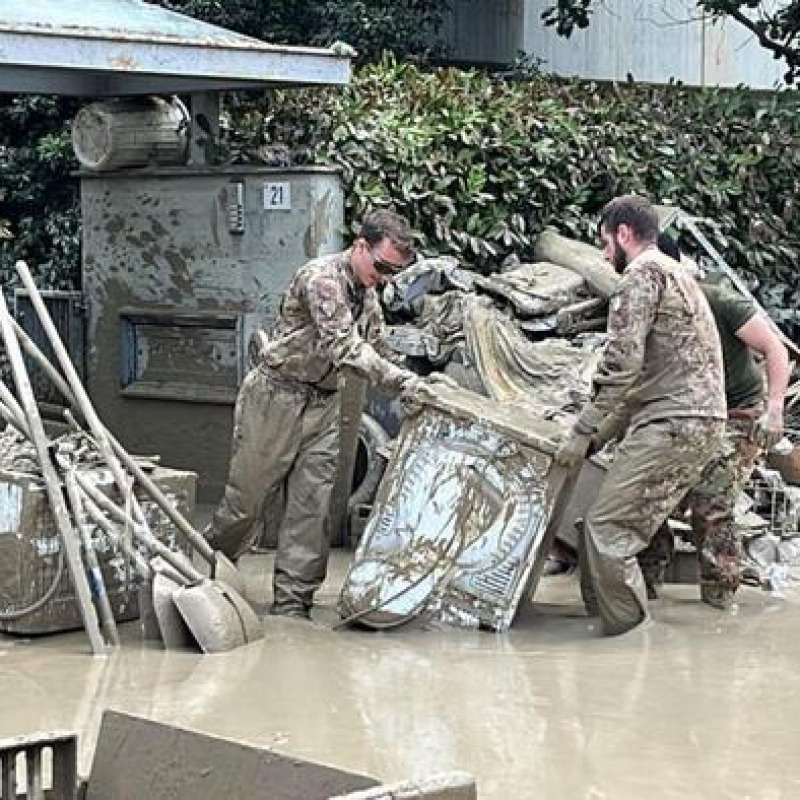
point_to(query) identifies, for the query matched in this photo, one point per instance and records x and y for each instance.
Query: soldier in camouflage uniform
(286, 417)
(755, 422)
(662, 370)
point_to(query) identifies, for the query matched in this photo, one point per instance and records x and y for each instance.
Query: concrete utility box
(180, 265)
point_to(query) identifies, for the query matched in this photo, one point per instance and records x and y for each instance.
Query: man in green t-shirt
(755, 423)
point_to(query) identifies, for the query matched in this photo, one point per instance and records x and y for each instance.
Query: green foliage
(408, 28)
(280, 21)
(480, 165)
(38, 197)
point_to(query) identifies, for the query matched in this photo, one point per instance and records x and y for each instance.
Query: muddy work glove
(768, 429)
(574, 449)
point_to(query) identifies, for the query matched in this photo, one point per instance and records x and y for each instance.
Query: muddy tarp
(535, 290)
(551, 376)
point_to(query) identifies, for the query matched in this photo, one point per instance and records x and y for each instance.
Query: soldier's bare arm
(759, 336)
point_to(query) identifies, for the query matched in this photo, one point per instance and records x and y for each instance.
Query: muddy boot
(716, 595)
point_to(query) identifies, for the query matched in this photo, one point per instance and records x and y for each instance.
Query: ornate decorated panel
(460, 519)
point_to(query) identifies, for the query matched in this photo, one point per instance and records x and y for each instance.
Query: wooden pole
(102, 603)
(52, 483)
(87, 411)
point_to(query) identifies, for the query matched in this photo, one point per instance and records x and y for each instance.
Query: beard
(619, 259)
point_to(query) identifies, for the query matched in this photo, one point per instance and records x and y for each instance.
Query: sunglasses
(387, 268)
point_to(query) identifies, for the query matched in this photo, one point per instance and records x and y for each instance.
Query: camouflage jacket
(327, 320)
(663, 357)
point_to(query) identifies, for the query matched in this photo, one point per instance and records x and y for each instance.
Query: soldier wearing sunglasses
(286, 428)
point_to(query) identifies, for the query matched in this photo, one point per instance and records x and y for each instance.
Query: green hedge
(39, 203)
(481, 164)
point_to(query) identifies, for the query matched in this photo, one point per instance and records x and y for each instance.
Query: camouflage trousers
(712, 504)
(282, 434)
(655, 466)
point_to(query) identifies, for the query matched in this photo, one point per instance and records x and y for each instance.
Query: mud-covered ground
(704, 704)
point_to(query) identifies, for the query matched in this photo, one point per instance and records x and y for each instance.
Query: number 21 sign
(277, 196)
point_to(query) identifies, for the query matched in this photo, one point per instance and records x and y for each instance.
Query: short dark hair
(634, 211)
(385, 224)
(668, 246)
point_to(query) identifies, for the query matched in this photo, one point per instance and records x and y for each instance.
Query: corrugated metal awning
(124, 47)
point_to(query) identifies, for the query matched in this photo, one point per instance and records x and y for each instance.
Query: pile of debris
(531, 333)
(768, 521)
(93, 487)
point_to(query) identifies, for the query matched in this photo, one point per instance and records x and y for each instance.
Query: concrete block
(140, 758)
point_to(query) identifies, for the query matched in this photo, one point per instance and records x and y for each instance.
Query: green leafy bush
(478, 163)
(39, 203)
(481, 164)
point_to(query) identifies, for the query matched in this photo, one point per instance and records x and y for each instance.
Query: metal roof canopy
(95, 48)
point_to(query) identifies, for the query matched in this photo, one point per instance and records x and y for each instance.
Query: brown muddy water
(704, 704)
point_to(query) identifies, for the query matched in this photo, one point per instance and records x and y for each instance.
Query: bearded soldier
(755, 424)
(661, 370)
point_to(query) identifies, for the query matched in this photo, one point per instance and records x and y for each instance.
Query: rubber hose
(10, 616)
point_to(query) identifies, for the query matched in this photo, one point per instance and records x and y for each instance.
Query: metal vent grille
(67, 312)
(44, 765)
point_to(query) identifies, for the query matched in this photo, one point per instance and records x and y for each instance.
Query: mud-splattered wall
(179, 266)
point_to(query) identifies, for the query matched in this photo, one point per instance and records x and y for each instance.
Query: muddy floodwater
(704, 704)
